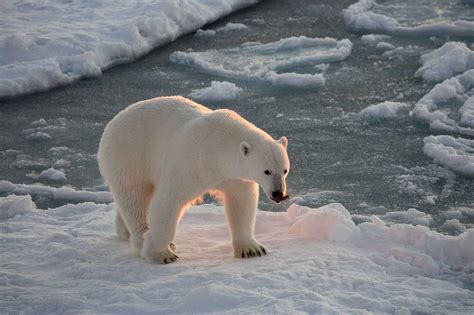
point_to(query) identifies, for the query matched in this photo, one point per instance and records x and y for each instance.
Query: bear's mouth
(280, 198)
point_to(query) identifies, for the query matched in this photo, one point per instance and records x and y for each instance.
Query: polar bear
(157, 156)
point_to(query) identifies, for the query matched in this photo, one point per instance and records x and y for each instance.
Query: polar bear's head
(266, 162)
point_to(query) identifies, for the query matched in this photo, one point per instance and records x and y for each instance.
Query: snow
(454, 153)
(43, 45)
(449, 107)
(68, 260)
(218, 91)
(272, 62)
(384, 111)
(443, 63)
(413, 18)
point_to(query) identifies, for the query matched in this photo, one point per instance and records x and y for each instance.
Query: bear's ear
(245, 149)
(283, 141)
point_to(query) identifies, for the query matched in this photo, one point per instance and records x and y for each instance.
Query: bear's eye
(267, 172)
(285, 171)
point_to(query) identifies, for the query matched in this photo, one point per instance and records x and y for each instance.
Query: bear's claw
(253, 250)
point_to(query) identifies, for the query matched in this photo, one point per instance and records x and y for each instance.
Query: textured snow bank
(449, 106)
(443, 63)
(271, 62)
(218, 91)
(52, 43)
(455, 153)
(410, 18)
(384, 111)
(12, 205)
(68, 259)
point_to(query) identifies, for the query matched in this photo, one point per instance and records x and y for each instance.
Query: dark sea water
(336, 157)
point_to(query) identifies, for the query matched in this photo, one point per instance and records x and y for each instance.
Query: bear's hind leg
(121, 228)
(240, 204)
(133, 204)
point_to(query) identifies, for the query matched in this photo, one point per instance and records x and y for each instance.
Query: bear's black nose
(278, 196)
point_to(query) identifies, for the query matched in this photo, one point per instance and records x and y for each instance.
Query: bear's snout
(278, 196)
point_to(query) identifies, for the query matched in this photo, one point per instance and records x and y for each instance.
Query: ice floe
(449, 107)
(443, 63)
(50, 174)
(321, 263)
(64, 193)
(384, 111)
(218, 91)
(273, 63)
(43, 45)
(455, 153)
(410, 18)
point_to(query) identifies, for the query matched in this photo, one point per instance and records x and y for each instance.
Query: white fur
(163, 153)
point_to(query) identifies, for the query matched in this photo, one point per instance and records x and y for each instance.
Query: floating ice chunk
(232, 27)
(454, 153)
(373, 39)
(50, 174)
(229, 27)
(415, 18)
(411, 216)
(443, 63)
(270, 62)
(384, 111)
(448, 107)
(384, 46)
(88, 37)
(63, 193)
(295, 80)
(12, 205)
(39, 135)
(205, 32)
(218, 91)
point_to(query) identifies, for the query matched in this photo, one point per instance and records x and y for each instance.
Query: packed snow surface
(50, 43)
(218, 91)
(411, 18)
(445, 62)
(272, 63)
(68, 259)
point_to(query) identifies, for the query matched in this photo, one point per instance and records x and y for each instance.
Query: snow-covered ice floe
(445, 62)
(68, 260)
(384, 111)
(455, 153)
(218, 91)
(272, 63)
(50, 43)
(449, 108)
(411, 18)
(64, 193)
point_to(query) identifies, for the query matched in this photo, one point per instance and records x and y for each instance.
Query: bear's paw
(254, 249)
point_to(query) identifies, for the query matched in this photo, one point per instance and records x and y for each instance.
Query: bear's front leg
(164, 216)
(240, 203)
